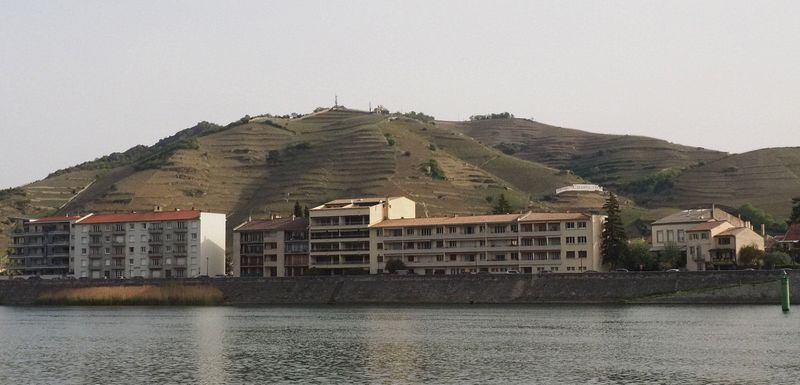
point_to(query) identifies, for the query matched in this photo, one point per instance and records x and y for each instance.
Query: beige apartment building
(339, 236)
(168, 244)
(273, 248)
(709, 238)
(526, 243)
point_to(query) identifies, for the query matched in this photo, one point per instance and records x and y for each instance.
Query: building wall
(492, 247)
(678, 231)
(212, 243)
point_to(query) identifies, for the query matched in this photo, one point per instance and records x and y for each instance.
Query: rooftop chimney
(157, 209)
(763, 230)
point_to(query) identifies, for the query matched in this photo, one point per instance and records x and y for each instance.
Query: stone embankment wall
(725, 287)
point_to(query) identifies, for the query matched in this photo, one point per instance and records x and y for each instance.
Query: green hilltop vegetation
(260, 165)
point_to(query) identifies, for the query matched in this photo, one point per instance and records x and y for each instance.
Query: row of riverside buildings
(352, 236)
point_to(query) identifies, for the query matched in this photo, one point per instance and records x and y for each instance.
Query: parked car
(621, 270)
(672, 270)
(512, 272)
(34, 277)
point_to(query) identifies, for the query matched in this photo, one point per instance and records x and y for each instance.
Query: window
(569, 225)
(581, 225)
(582, 240)
(582, 254)
(660, 236)
(570, 240)
(440, 230)
(408, 232)
(83, 262)
(169, 237)
(130, 261)
(132, 239)
(411, 258)
(84, 240)
(703, 235)
(570, 268)
(143, 249)
(194, 224)
(452, 243)
(469, 230)
(130, 249)
(144, 225)
(83, 251)
(426, 231)
(131, 226)
(107, 250)
(194, 236)
(670, 235)
(499, 229)
(724, 241)
(691, 251)
(681, 236)
(193, 249)
(452, 229)
(570, 254)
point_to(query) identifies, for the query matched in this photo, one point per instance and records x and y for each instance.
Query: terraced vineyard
(258, 166)
(611, 160)
(767, 179)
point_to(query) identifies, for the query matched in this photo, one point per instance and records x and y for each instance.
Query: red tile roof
(793, 234)
(59, 218)
(143, 217)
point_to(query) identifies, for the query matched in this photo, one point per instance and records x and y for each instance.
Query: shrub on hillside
(501, 115)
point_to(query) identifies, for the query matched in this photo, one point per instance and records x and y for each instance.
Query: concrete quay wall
(723, 287)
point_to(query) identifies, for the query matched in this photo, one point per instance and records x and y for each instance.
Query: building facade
(339, 232)
(526, 243)
(710, 239)
(171, 244)
(274, 248)
(41, 246)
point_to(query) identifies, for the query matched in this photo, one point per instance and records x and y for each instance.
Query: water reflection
(474, 344)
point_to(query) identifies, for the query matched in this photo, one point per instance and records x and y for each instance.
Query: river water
(450, 344)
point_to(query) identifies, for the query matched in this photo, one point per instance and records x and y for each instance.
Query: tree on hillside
(751, 256)
(502, 206)
(298, 211)
(615, 240)
(795, 216)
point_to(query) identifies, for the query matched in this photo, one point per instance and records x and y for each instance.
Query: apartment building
(273, 248)
(339, 235)
(158, 244)
(527, 243)
(41, 246)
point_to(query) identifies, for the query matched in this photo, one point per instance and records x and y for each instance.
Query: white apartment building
(339, 236)
(526, 243)
(169, 244)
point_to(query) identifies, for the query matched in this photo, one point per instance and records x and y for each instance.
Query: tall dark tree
(795, 216)
(615, 240)
(298, 211)
(305, 212)
(502, 206)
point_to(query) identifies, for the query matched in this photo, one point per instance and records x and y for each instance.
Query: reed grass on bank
(165, 294)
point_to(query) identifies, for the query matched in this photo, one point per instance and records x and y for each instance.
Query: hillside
(259, 166)
(611, 160)
(262, 165)
(767, 179)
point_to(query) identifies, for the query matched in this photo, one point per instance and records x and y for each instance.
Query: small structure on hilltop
(579, 187)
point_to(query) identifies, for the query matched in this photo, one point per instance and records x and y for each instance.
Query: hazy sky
(80, 79)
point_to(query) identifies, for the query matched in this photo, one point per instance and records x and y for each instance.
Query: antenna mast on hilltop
(335, 100)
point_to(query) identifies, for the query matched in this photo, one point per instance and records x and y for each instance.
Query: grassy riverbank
(165, 294)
